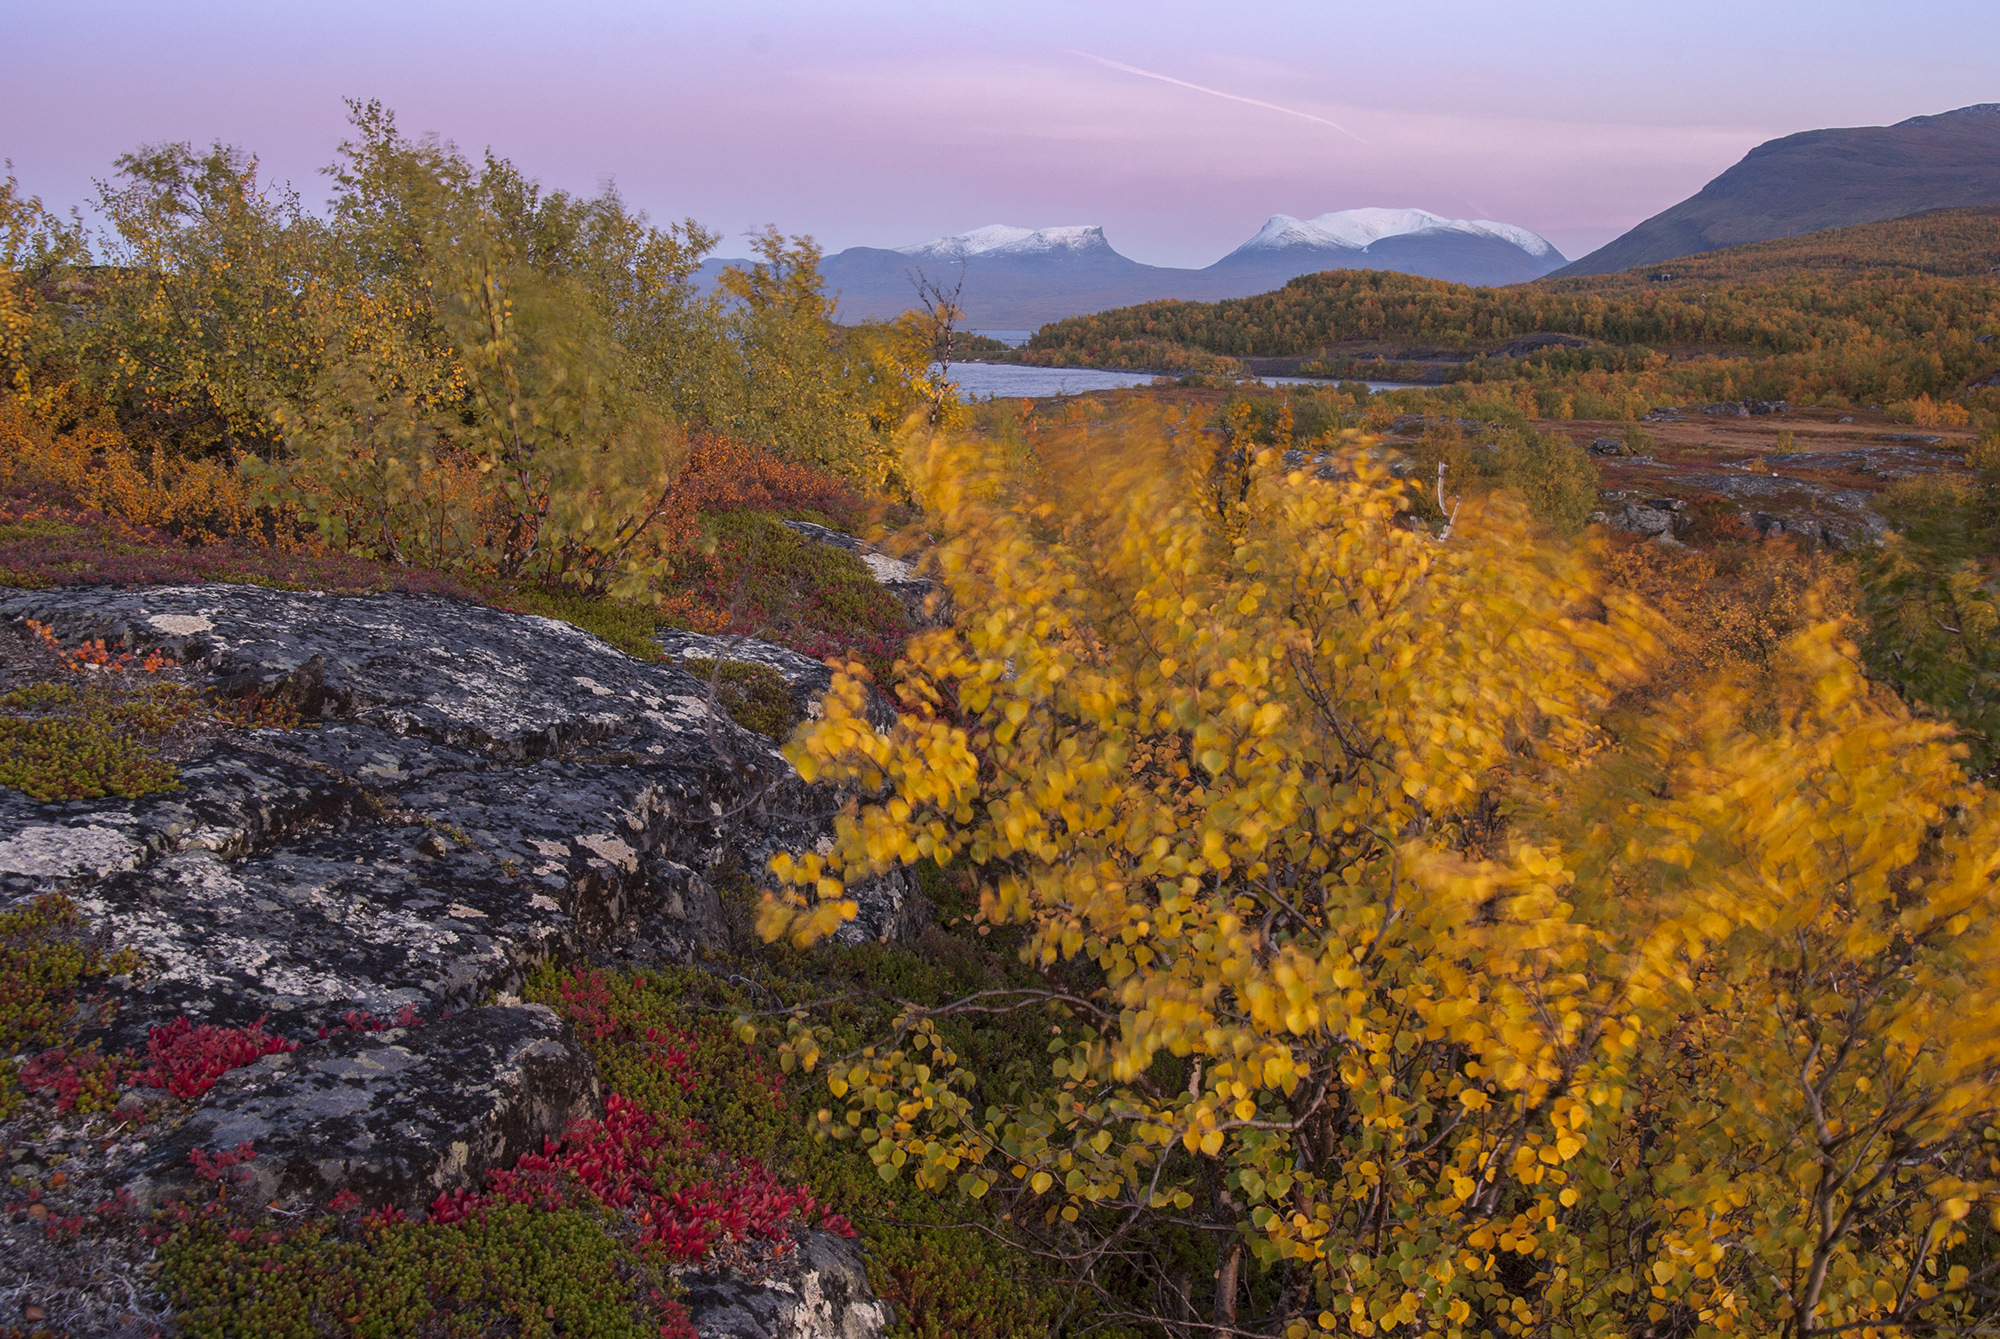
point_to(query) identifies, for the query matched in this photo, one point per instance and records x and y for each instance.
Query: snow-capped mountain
(999, 239)
(1357, 229)
(1414, 241)
(1013, 277)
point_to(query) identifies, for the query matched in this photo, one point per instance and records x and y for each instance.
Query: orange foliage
(92, 463)
(723, 474)
(1928, 413)
(1731, 607)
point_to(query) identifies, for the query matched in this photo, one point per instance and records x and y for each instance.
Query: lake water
(979, 381)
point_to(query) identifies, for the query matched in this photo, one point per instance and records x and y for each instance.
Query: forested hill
(1920, 291)
(1944, 242)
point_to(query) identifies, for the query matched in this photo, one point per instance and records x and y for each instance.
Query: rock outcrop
(1838, 518)
(463, 795)
(396, 1117)
(480, 792)
(819, 1291)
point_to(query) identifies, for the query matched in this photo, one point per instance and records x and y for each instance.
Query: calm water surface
(979, 381)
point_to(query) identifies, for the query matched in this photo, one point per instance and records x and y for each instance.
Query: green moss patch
(59, 742)
(755, 696)
(512, 1270)
(627, 625)
(774, 584)
(47, 958)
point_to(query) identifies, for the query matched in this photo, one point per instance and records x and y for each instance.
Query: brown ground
(1699, 444)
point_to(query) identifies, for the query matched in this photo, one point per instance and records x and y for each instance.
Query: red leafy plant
(182, 1057)
(187, 1059)
(637, 1166)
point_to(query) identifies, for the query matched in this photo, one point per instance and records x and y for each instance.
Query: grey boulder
(396, 1117)
(818, 1291)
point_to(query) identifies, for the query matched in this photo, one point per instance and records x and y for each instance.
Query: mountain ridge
(1819, 179)
(1017, 277)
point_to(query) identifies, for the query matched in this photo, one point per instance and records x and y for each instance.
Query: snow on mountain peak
(1000, 239)
(1356, 229)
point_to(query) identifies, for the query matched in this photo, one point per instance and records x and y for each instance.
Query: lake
(980, 381)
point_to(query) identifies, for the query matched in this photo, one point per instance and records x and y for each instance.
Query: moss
(755, 696)
(66, 743)
(782, 587)
(39, 527)
(510, 1270)
(627, 625)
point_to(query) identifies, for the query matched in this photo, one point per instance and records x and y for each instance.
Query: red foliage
(628, 1162)
(84, 546)
(73, 1074)
(673, 1051)
(187, 1060)
(360, 1020)
(587, 1000)
(92, 653)
(216, 1166)
(723, 474)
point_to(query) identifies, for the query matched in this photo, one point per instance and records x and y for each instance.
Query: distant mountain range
(1021, 278)
(1823, 179)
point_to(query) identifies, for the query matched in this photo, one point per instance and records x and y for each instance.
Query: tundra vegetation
(1360, 910)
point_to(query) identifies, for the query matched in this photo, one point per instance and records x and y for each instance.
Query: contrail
(1215, 92)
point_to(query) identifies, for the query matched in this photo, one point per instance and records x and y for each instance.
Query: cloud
(1215, 92)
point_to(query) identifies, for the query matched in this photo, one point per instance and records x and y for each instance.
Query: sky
(1178, 127)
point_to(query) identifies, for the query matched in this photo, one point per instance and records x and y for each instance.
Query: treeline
(453, 367)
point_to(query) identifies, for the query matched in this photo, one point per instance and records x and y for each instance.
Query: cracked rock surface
(819, 1291)
(473, 793)
(398, 1117)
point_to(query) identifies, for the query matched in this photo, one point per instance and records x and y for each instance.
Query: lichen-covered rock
(397, 1117)
(481, 792)
(818, 1291)
(1839, 518)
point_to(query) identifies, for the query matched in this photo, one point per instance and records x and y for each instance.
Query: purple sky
(884, 122)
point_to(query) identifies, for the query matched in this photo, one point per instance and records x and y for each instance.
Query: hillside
(1950, 243)
(1823, 179)
(1883, 311)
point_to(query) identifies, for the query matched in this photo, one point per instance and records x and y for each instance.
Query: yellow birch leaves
(1484, 1002)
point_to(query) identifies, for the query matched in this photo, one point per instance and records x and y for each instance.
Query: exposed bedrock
(819, 1291)
(396, 1117)
(470, 794)
(479, 792)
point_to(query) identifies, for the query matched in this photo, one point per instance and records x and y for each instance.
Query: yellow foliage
(1490, 1021)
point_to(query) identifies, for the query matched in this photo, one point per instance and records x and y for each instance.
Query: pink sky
(882, 123)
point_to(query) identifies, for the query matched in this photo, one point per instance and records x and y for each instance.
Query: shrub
(1435, 986)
